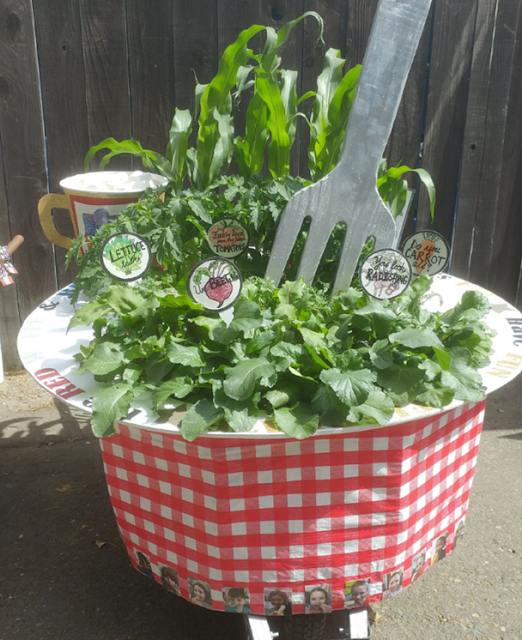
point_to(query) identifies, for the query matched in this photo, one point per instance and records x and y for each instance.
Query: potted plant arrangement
(239, 498)
(177, 227)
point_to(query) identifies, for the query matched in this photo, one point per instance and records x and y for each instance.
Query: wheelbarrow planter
(263, 512)
(263, 524)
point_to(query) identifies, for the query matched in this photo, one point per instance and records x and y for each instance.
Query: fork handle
(394, 38)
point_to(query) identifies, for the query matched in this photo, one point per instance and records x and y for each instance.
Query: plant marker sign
(215, 283)
(427, 251)
(385, 274)
(126, 256)
(228, 238)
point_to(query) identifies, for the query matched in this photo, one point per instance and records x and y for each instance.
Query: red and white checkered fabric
(286, 514)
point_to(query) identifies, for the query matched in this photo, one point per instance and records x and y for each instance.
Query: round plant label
(126, 256)
(215, 283)
(385, 274)
(427, 251)
(228, 237)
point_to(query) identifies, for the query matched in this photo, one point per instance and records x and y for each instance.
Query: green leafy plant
(272, 110)
(291, 356)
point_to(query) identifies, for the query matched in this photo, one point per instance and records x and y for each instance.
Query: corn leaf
(249, 152)
(216, 99)
(178, 144)
(328, 145)
(279, 147)
(217, 93)
(390, 184)
(327, 83)
(224, 146)
(132, 147)
(289, 98)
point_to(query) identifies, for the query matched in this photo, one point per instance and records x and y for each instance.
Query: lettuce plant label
(215, 283)
(427, 252)
(126, 256)
(385, 274)
(228, 238)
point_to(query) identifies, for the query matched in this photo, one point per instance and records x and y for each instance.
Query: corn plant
(272, 109)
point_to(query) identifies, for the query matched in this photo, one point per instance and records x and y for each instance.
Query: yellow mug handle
(45, 207)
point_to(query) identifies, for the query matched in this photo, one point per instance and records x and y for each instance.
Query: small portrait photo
(278, 602)
(459, 533)
(356, 593)
(318, 598)
(199, 592)
(392, 583)
(418, 564)
(143, 563)
(169, 579)
(438, 551)
(236, 599)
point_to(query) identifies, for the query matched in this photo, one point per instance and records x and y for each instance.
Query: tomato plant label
(228, 238)
(427, 252)
(126, 256)
(385, 274)
(215, 283)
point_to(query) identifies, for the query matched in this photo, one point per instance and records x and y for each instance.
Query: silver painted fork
(348, 194)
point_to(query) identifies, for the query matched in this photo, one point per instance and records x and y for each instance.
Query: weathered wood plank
(59, 42)
(502, 168)
(195, 48)
(404, 146)
(453, 30)
(104, 40)
(24, 151)
(9, 316)
(195, 52)
(151, 50)
(474, 139)
(360, 20)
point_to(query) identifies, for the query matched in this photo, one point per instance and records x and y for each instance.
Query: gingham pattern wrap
(283, 513)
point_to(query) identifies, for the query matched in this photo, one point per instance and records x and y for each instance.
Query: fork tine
(382, 228)
(286, 235)
(318, 236)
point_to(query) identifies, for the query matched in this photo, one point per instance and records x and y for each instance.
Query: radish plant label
(427, 252)
(215, 283)
(385, 274)
(228, 238)
(126, 256)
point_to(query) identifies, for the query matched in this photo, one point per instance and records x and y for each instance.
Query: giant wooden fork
(349, 193)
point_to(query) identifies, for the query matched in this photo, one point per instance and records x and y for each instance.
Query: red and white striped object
(287, 514)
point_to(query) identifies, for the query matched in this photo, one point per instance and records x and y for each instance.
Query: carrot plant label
(385, 274)
(427, 252)
(215, 283)
(126, 256)
(228, 238)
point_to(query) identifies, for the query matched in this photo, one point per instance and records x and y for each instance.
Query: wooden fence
(73, 72)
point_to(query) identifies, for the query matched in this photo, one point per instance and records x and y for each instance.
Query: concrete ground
(64, 572)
